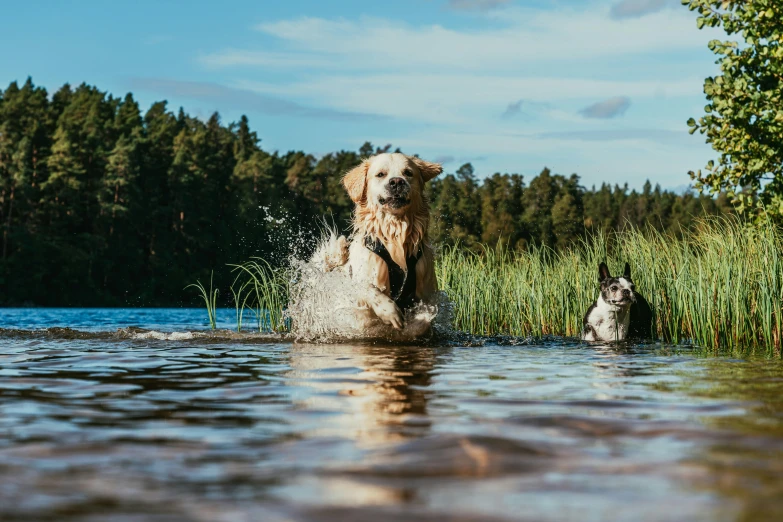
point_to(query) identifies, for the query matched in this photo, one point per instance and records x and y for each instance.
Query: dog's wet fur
(620, 312)
(390, 222)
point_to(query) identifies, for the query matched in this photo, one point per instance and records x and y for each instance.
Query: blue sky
(599, 88)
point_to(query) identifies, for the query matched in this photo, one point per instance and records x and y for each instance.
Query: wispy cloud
(458, 160)
(665, 160)
(423, 98)
(520, 37)
(606, 109)
(478, 5)
(242, 99)
(524, 108)
(444, 160)
(246, 58)
(638, 8)
(603, 135)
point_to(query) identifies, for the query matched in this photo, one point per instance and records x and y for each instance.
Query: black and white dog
(620, 312)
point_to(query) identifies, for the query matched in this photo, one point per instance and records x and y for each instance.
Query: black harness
(402, 283)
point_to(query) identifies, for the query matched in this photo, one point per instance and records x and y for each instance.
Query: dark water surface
(105, 422)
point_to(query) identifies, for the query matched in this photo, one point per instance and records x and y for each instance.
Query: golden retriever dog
(389, 257)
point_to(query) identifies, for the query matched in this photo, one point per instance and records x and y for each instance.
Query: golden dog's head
(390, 183)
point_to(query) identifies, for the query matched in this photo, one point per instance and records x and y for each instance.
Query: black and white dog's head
(620, 312)
(617, 291)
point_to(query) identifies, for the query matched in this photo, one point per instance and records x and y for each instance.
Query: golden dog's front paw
(388, 312)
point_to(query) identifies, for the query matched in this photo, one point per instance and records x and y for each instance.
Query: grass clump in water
(256, 287)
(266, 294)
(210, 299)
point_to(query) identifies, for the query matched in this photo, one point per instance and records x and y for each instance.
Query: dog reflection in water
(385, 387)
(373, 397)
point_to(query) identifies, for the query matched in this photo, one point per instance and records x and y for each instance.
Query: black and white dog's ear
(603, 272)
(627, 271)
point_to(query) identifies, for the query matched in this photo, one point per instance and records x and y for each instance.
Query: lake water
(143, 415)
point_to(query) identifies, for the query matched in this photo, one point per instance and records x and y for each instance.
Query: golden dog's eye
(408, 173)
(380, 175)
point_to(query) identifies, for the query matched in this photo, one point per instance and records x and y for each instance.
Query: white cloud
(518, 37)
(232, 98)
(440, 75)
(244, 58)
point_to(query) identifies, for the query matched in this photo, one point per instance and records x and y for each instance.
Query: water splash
(325, 304)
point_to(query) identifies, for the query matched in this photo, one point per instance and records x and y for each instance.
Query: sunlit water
(106, 421)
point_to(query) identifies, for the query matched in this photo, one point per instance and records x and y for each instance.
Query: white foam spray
(325, 304)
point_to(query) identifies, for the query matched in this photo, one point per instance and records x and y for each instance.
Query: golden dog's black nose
(397, 185)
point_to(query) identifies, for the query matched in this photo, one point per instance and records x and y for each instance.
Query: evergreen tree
(537, 201)
(120, 206)
(567, 212)
(457, 208)
(501, 210)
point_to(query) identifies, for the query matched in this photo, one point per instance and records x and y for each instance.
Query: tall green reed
(269, 287)
(256, 287)
(210, 299)
(241, 292)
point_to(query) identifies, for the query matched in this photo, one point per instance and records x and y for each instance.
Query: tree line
(554, 210)
(102, 204)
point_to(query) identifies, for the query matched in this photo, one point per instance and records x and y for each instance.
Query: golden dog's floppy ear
(355, 181)
(428, 170)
